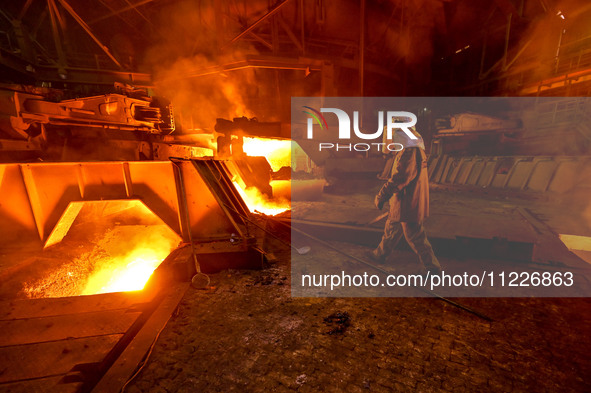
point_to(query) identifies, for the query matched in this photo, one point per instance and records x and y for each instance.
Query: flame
(232, 93)
(129, 273)
(133, 253)
(122, 258)
(278, 154)
(259, 202)
(277, 151)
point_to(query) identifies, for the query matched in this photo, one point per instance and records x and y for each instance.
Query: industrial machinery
(70, 161)
(36, 124)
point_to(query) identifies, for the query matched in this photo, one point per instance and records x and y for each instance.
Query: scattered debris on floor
(342, 321)
(259, 338)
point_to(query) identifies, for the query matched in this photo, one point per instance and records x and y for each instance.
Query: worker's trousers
(415, 236)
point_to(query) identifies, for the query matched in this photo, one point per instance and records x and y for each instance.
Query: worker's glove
(379, 202)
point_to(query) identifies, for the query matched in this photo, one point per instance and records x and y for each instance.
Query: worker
(407, 191)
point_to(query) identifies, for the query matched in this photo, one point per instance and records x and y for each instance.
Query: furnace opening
(111, 246)
(277, 151)
(258, 202)
(263, 185)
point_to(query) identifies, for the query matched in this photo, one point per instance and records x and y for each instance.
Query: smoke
(185, 61)
(555, 33)
(409, 34)
(199, 99)
(192, 38)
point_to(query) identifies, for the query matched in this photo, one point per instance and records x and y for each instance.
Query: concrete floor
(247, 334)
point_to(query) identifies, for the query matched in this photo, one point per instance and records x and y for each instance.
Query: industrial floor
(248, 334)
(458, 213)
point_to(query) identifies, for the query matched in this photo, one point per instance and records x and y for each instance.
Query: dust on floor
(247, 334)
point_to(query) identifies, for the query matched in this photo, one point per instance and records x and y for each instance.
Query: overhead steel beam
(60, 18)
(23, 40)
(290, 33)
(272, 12)
(251, 62)
(302, 27)
(24, 9)
(124, 9)
(261, 40)
(16, 63)
(278, 63)
(55, 32)
(39, 23)
(361, 46)
(86, 28)
(93, 76)
(8, 18)
(507, 7)
(507, 37)
(519, 53)
(49, 73)
(107, 6)
(135, 8)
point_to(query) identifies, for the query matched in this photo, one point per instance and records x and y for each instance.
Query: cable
(432, 293)
(146, 358)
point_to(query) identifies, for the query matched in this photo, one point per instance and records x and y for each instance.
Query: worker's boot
(375, 257)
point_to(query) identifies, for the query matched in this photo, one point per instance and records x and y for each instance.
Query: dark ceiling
(433, 47)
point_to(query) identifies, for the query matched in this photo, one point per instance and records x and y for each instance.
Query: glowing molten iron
(259, 202)
(128, 273)
(135, 252)
(277, 152)
(120, 258)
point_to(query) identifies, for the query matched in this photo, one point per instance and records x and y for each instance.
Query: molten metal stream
(277, 152)
(259, 202)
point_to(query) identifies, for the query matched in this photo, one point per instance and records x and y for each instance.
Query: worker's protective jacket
(408, 185)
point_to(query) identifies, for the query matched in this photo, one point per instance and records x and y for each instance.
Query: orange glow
(277, 151)
(259, 202)
(120, 259)
(135, 252)
(281, 189)
(128, 273)
(233, 95)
